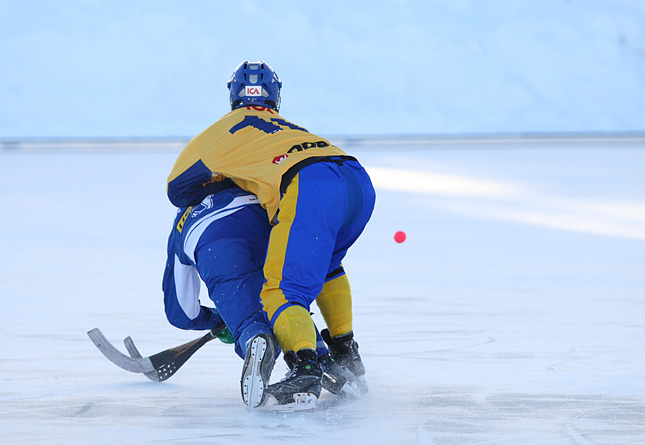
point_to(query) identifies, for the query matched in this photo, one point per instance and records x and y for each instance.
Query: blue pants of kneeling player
(229, 256)
(223, 241)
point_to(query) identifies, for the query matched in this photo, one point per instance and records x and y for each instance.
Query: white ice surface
(513, 313)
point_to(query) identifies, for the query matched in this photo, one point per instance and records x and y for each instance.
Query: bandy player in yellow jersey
(318, 201)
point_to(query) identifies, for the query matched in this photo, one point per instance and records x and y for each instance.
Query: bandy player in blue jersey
(318, 200)
(222, 242)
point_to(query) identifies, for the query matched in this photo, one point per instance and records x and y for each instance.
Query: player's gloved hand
(220, 330)
(225, 336)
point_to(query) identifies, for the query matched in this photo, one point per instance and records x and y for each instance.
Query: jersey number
(268, 127)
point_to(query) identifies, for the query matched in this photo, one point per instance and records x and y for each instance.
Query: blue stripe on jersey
(193, 185)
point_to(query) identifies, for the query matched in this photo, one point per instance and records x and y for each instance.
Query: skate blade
(253, 388)
(354, 389)
(252, 383)
(302, 401)
(350, 390)
(361, 384)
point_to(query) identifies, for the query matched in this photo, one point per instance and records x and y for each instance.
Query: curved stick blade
(138, 364)
(134, 353)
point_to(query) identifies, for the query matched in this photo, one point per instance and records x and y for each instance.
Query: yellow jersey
(254, 147)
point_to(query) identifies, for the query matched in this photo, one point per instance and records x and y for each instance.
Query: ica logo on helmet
(253, 91)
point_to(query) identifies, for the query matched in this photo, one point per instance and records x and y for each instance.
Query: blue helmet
(255, 84)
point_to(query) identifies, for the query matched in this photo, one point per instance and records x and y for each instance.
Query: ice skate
(336, 379)
(343, 350)
(256, 372)
(302, 384)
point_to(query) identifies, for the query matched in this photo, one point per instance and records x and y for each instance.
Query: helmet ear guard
(254, 84)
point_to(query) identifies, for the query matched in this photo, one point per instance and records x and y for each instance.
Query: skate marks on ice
(463, 417)
(334, 420)
(459, 416)
(148, 412)
(125, 419)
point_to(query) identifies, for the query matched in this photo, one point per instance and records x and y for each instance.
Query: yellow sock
(335, 303)
(294, 329)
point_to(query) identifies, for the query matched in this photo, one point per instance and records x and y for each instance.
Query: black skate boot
(344, 351)
(334, 376)
(336, 379)
(302, 384)
(258, 364)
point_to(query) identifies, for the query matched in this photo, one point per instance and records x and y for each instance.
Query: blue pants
(322, 213)
(229, 257)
